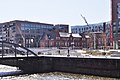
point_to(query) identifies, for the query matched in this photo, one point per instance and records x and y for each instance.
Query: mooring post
(27, 53)
(15, 51)
(2, 50)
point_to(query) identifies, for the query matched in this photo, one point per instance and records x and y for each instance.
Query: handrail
(16, 45)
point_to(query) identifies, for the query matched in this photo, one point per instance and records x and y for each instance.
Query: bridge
(11, 54)
(7, 49)
(29, 62)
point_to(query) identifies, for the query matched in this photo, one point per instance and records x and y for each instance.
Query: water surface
(7, 70)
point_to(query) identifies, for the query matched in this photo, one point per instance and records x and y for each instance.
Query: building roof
(68, 35)
(86, 36)
(76, 35)
(64, 34)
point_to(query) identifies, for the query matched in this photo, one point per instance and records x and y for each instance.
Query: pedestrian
(59, 52)
(68, 53)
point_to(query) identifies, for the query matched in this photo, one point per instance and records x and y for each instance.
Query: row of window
(88, 28)
(39, 26)
(118, 10)
(35, 26)
(98, 28)
(61, 44)
(31, 25)
(87, 31)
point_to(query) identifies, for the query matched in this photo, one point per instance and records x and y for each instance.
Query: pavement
(71, 52)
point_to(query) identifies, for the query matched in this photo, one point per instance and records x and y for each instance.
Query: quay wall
(91, 66)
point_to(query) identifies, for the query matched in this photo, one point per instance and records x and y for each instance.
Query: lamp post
(48, 43)
(2, 43)
(70, 43)
(49, 38)
(68, 53)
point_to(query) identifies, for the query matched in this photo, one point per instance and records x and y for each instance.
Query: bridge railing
(8, 49)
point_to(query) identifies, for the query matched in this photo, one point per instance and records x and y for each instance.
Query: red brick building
(115, 22)
(65, 40)
(97, 40)
(61, 40)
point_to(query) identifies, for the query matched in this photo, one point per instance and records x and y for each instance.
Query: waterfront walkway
(73, 53)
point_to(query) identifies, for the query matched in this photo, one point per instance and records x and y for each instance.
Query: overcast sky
(56, 11)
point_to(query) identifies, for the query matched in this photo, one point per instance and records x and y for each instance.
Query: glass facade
(27, 26)
(26, 33)
(91, 28)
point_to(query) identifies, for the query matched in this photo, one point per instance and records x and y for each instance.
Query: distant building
(97, 40)
(91, 28)
(61, 40)
(97, 30)
(65, 40)
(115, 22)
(27, 33)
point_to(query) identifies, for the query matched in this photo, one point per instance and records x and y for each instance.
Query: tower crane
(85, 20)
(94, 35)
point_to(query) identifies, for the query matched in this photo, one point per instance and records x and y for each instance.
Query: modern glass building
(91, 28)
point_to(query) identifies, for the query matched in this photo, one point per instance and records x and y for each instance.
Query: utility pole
(104, 34)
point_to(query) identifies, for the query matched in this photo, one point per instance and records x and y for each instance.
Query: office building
(27, 33)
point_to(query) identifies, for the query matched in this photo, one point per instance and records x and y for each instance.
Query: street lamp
(49, 38)
(70, 43)
(68, 53)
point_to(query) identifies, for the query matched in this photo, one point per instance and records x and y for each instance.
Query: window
(118, 10)
(114, 28)
(22, 24)
(118, 15)
(115, 35)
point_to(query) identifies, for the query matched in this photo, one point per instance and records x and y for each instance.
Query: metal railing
(8, 48)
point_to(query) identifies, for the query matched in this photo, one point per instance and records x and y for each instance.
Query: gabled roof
(68, 35)
(86, 36)
(64, 34)
(76, 35)
(49, 35)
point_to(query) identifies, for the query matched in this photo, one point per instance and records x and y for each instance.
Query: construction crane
(85, 20)
(93, 33)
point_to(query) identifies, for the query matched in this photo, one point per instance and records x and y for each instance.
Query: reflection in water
(8, 70)
(56, 76)
(47, 76)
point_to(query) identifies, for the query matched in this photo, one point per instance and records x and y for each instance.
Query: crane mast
(94, 35)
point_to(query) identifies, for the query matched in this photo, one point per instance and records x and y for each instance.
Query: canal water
(12, 71)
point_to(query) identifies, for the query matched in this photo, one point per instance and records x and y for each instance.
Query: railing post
(15, 51)
(27, 53)
(14, 47)
(2, 50)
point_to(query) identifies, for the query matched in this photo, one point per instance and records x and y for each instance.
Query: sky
(56, 11)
